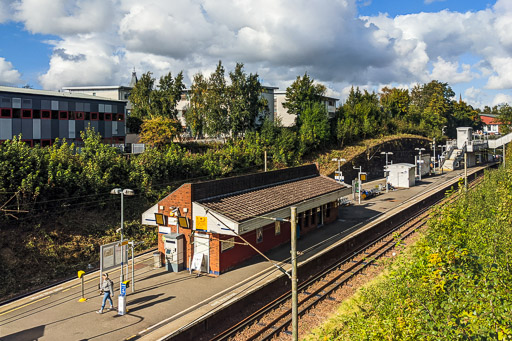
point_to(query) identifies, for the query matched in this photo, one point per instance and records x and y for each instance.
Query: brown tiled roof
(242, 206)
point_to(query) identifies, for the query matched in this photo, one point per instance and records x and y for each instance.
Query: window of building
(227, 244)
(6, 113)
(16, 103)
(63, 115)
(259, 235)
(26, 103)
(328, 210)
(26, 113)
(94, 116)
(313, 216)
(120, 117)
(277, 227)
(46, 114)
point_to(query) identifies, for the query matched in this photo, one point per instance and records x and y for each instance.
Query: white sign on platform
(197, 262)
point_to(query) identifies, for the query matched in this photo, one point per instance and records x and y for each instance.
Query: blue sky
(401, 7)
(55, 43)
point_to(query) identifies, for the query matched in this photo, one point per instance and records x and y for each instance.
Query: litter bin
(157, 263)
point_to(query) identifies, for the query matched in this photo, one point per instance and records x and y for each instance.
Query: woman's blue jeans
(106, 296)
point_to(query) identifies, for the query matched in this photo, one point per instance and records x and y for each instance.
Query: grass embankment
(53, 246)
(455, 283)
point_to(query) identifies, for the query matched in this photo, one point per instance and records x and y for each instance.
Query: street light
(338, 172)
(441, 156)
(419, 160)
(122, 192)
(386, 153)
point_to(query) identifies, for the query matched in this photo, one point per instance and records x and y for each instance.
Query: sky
(50, 44)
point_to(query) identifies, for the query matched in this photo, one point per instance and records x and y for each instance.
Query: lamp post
(122, 192)
(441, 157)
(419, 160)
(359, 184)
(338, 172)
(386, 172)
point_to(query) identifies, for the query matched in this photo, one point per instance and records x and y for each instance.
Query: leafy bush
(455, 284)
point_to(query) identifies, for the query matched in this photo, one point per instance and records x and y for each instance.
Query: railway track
(275, 318)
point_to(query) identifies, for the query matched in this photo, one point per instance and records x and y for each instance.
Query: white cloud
(446, 71)
(5, 10)
(502, 78)
(502, 99)
(474, 97)
(65, 18)
(100, 41)
(83, 60)
(8, 75)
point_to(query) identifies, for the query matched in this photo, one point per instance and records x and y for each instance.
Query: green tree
(159, 131)
(314, 130)
(216, 109)
(431, 105)
(464, 115)
(359, 117)
(167, 95)
(195, 115)
(505, 118)
(395, 102)
(244, 100)
(301, 93)
(140, 97)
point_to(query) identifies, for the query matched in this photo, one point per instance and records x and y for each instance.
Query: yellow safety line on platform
(21, 306)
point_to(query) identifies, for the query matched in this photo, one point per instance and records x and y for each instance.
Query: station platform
(164, 303)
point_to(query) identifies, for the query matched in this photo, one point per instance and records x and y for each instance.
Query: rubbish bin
(157, 263)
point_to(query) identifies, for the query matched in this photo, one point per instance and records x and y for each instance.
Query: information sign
(197, 262)
(201, 223)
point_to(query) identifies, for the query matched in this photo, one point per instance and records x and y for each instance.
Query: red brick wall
(181, 198)
(240, 253)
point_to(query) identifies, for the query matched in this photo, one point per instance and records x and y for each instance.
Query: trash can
(157, 263)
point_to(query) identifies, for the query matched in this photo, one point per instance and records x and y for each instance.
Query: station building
(42, 116)
(219, 212)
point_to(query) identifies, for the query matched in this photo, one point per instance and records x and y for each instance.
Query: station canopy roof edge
(241, 207)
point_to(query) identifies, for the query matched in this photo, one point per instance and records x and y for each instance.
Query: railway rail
(275, 317)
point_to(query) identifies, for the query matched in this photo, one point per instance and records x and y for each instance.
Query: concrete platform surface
(165, 302)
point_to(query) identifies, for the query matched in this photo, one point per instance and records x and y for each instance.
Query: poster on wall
(201, 223)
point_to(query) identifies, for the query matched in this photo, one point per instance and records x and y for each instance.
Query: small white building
(402, 175)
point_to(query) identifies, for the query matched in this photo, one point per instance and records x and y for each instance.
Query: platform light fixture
(419, 160)
(339, 175)
(122, 192)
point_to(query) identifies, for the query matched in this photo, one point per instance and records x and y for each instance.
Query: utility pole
(265, 156)
(504, 152)
(295, 322)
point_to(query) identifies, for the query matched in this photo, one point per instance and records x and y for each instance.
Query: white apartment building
(288, 120)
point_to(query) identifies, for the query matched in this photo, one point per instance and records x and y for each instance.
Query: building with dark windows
(41, 116)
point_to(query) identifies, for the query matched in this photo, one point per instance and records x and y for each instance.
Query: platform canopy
(241, 212)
